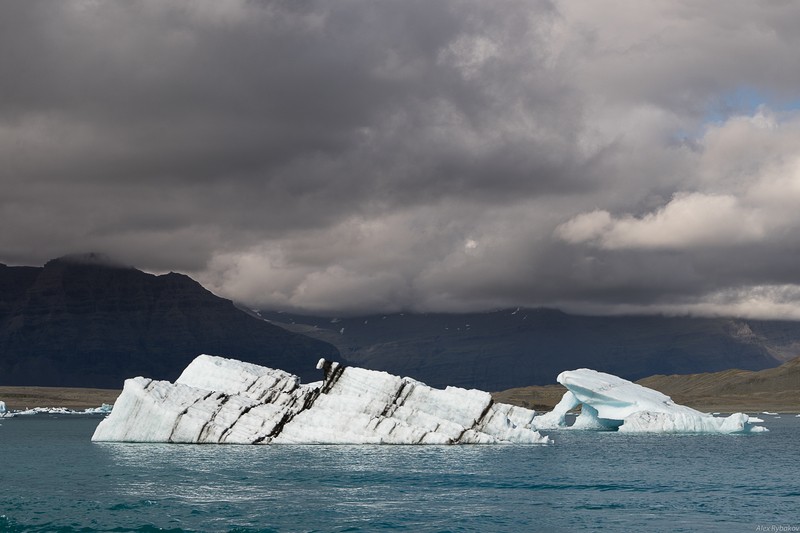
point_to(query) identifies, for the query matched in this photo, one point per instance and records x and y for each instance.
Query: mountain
(83, 321)
(514, 348)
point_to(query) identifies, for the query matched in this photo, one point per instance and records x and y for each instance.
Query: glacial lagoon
(54, 478)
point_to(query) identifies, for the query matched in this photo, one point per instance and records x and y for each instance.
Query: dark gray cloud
(357, 156)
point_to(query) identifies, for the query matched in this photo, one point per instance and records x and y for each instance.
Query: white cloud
(760, 302)
(749, 172)
(688, 220)
(586, 227)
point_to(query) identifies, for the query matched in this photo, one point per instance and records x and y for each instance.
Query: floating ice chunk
(685, 422)
(610, 402)
(104, 408)
(218, 400)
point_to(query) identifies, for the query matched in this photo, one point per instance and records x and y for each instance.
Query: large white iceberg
(218, 400)
(610, 402)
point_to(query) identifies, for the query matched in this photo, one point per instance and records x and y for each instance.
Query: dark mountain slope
(82, 321)
(505, 349)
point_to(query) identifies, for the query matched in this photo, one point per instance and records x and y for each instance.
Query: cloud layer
(358, 156)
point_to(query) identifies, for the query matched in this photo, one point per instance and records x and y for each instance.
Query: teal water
(52, 478)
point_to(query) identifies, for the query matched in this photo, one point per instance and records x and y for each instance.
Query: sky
(381, 156)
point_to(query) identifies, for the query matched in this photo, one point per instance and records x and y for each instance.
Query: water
(52, 478)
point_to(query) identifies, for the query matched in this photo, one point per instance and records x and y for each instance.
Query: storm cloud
(362, 156)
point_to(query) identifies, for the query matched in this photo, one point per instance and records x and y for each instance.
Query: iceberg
(219, 400)
(103, 409)
(609, 402)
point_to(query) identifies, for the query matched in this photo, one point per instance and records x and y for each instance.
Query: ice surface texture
(217, 400)
(610, 402)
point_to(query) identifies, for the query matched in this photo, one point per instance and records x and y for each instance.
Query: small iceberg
(218, 400)
(103, 409)
(609, 402)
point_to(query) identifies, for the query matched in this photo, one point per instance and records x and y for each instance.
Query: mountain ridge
(86, 321)
(519, 347)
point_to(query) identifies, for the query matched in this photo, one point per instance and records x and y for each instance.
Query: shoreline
(541, 398)
(18, 398)
(544, 397)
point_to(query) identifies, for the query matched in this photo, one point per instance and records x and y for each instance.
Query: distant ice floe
(218, 400)
(4, 413)
(609, 402)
